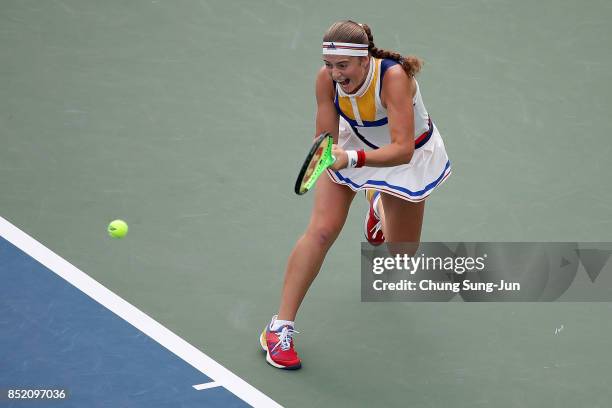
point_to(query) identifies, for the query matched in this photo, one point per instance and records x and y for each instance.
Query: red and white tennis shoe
(278, 345)
(372, 223)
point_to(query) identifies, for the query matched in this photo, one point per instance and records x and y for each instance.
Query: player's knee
(324, 235)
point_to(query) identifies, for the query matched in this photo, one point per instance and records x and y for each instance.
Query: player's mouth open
(345, 82)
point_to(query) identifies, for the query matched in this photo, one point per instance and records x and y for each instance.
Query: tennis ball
(117, 229)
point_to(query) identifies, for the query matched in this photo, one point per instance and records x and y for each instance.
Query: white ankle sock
(276, 324)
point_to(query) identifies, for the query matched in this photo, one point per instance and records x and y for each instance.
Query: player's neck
(364, 79)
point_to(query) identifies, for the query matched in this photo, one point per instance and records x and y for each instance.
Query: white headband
(340, 48)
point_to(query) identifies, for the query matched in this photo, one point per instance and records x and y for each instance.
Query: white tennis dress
(364, 125)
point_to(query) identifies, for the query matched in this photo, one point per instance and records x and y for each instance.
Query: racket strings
(319, 158)
(318, 165)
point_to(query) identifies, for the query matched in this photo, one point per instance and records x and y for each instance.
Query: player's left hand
(341, 158)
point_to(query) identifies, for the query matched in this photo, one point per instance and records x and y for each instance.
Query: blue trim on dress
(383, 183)
(384, 66)
(363, 139)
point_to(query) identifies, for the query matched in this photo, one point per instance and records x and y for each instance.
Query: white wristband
(352, 159)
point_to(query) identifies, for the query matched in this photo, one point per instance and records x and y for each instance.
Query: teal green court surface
(190, 119)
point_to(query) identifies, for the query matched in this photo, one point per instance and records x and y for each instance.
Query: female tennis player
(387, 144)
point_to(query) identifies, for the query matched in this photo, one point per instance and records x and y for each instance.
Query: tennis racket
(318, 159)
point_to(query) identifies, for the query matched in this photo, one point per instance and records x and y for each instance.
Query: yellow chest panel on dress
(361, 106)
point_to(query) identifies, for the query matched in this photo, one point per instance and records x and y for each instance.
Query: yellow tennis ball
(117, 229)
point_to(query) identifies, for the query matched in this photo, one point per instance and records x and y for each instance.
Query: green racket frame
(305, 182)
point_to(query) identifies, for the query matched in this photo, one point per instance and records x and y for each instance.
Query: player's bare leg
(331, 206)
(402, 222)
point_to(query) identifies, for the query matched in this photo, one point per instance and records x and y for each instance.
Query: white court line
(135, 317)
(206, 386)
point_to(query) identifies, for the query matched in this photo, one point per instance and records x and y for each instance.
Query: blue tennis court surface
(54, 336)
